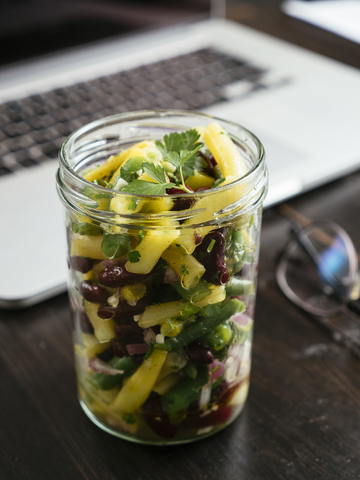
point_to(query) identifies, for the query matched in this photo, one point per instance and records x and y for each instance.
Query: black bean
(199, 354)
(81, 264)
(117, 276)
(92, 292)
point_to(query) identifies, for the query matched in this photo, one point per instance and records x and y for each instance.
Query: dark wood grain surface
(302, 418)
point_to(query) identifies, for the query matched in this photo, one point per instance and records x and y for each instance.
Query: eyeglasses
(318, 271)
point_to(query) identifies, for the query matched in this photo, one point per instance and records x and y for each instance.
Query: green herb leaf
(129, 418)
(175, 142)
(134, 257)
(156, 172)
(142, 187)
(149, 352)
(115, 245)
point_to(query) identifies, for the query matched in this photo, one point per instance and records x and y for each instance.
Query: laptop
(70, 62)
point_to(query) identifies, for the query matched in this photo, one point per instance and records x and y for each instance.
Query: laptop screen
(30, 28)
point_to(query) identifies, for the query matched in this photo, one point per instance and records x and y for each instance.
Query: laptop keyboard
(33, 128)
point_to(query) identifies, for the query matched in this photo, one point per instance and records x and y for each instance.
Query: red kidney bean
(224, 391)
(84, 322)
(157, 421)
(180, 203)
(215, 417)
(199, 354)
(117, 276)
(138, 358)
(81, 264)
(93, 293)
(119, 347)
(130, 332)
(211, 253)
(123, 310)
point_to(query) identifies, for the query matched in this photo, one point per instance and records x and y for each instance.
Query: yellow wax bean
(186, 266)
(224, 151)
(200, 179)
(157, 314)
(89, 246)
(150, 249)
(137, 389)
(104, 330)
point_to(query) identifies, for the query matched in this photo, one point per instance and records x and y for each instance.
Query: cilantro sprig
(178, 149)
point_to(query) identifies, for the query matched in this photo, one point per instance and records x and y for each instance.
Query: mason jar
(161, 287)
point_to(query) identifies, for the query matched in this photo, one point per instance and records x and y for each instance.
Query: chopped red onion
(149, 336)
(241, 319)
(216, 369)
(205, 396)
(102, 367)
(171, 276)
(137, 348)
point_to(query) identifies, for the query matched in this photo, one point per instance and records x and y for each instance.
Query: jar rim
(73, 178)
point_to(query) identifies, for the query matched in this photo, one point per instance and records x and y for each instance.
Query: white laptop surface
(303, 107)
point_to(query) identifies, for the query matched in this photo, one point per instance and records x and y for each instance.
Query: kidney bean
(199, 354)
(211, 253)
(224, 391)
(119, 348)
(198, 238)
(93, 293)
(180, 203)
(81, 264)
(84, 322)
(130, 332)
(138, 358)
(215, 417)
(157, 420)
(123, 310)
(117, 276)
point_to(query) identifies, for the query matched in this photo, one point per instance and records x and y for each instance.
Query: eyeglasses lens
(315, 270)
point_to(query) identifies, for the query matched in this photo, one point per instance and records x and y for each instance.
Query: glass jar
(162, 288)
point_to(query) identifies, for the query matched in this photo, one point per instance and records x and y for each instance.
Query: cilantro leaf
(175, 142)
(129, 418)
(190, 139)
(141, 187)
(156, 172)
(129, 171)
(134, 256)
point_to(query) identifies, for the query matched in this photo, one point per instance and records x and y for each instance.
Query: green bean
(239, 286)
(195, 294)
(185, 392)
(213, 315)
(106, 382)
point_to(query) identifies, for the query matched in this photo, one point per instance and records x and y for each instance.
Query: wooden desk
(302, 418)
